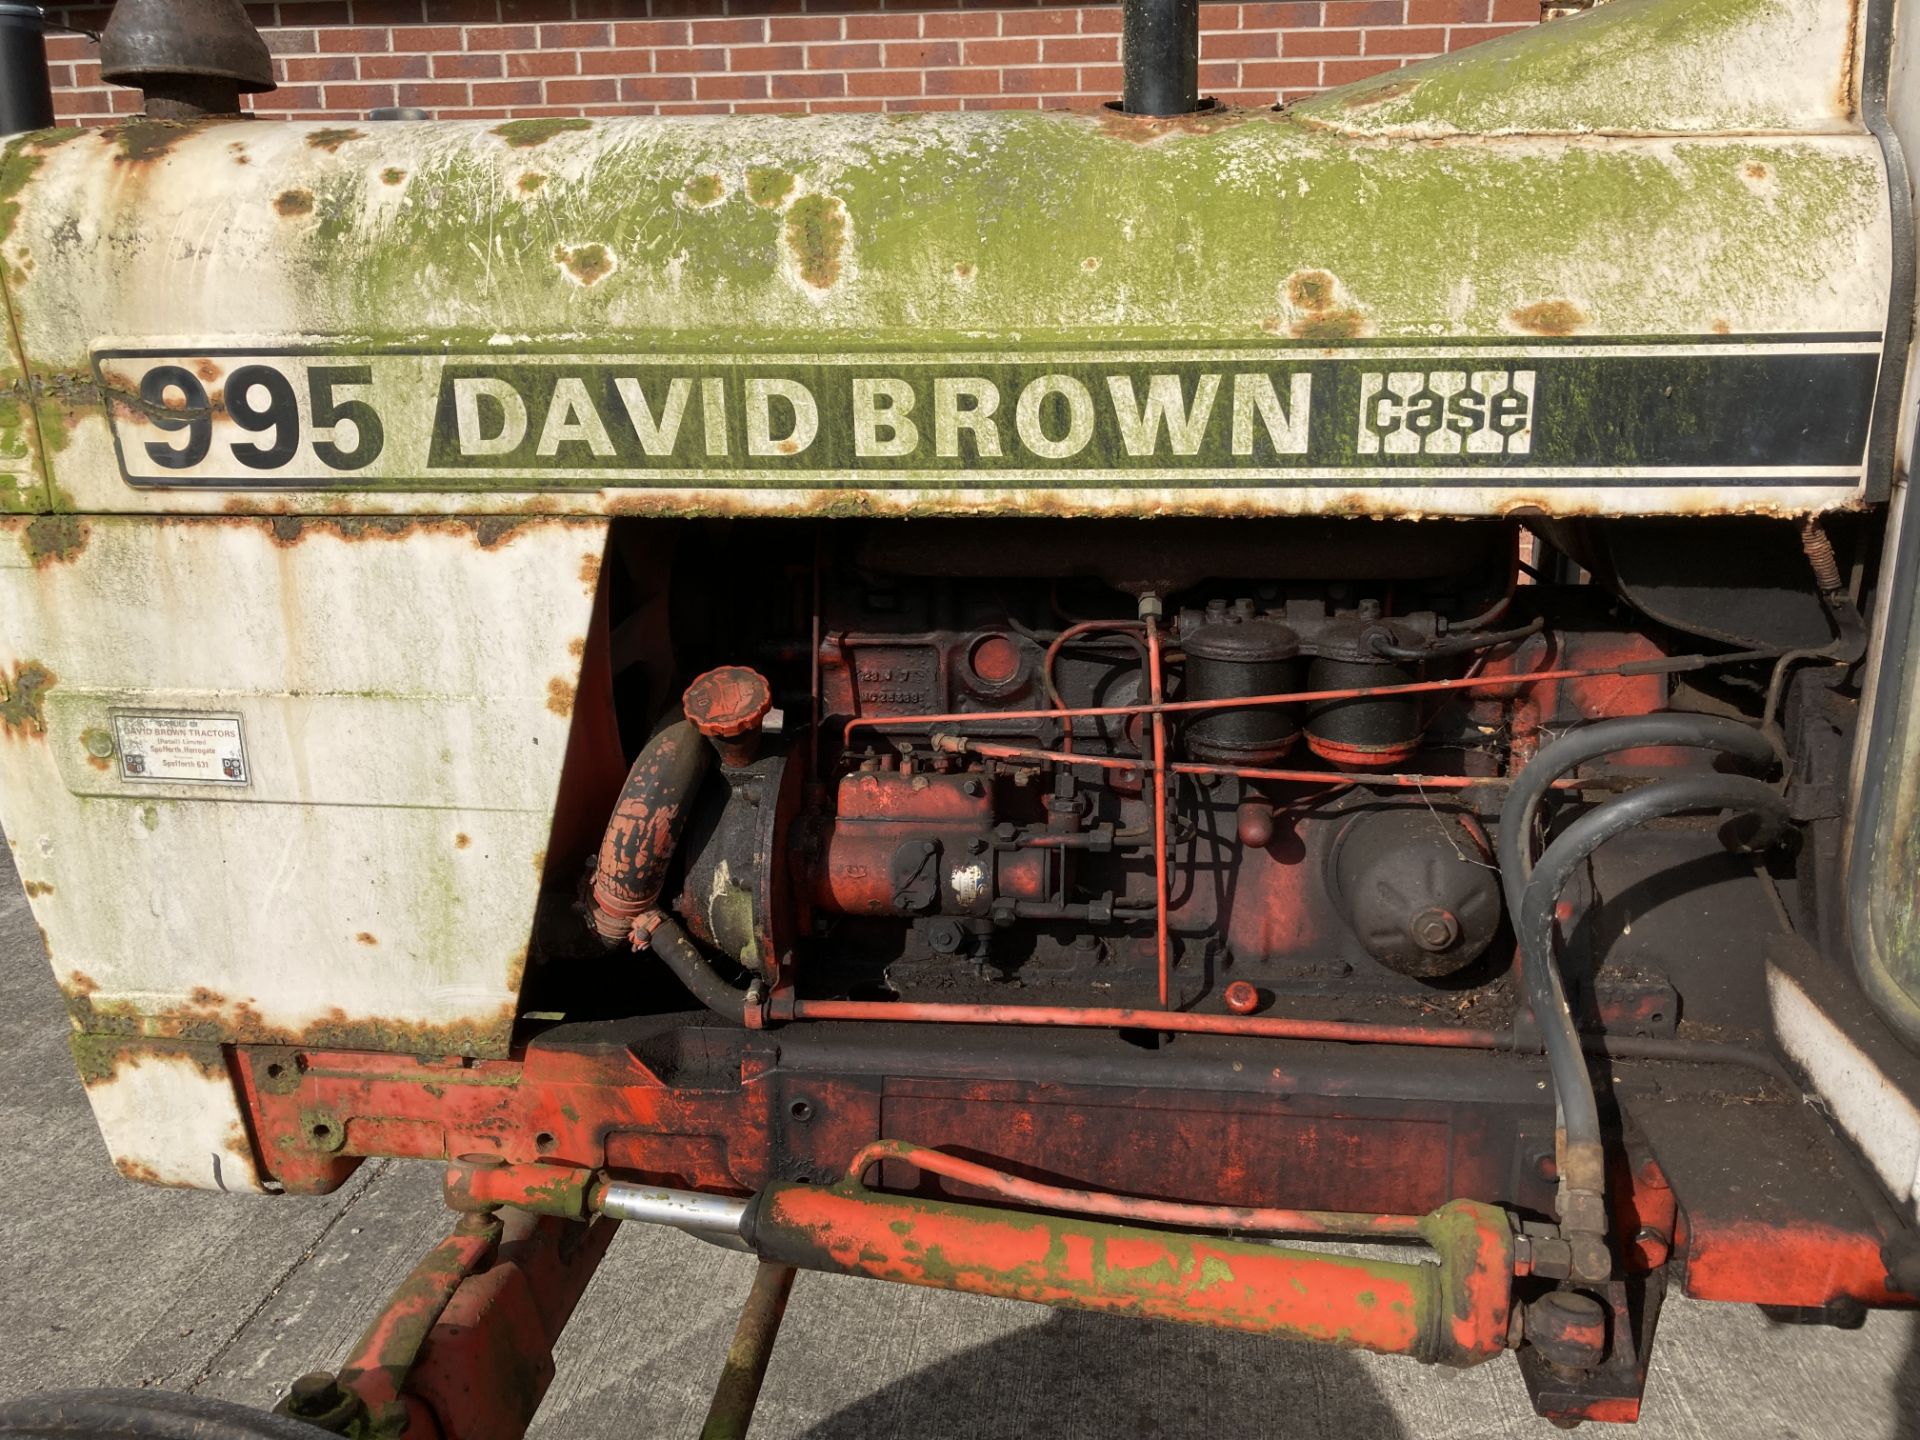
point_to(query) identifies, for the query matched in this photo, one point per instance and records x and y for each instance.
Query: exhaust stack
(1160, 57)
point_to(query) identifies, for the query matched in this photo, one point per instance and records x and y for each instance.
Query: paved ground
(103, 1282)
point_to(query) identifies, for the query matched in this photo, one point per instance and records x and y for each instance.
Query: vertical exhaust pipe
(1160, 57)
(26, 94)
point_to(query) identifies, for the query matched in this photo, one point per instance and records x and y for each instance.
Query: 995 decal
(334, 420)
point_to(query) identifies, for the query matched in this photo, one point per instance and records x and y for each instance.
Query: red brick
(1040, 22)
(86, 75)
(840, 107)
(730, 87)
(358, 97)
(1000, 102)
(766, 57)
(697, 58)
(294, 97)
(923, 54)
(1325, 42)
(843, 57)
(388, 12)
(1345, 72)
(1418, 41)
(1365, 14)
(392, 67)
(1245, 45)
(1105, 19)
(1024, 51)
(467, 67)
(406, 37)
(434, 95)
(279, 42)
(1219, 74)
(963, 82)
(657, 87)
(650, 32)
(1219, 17)
(347, 40)
(68, 103)
(575, 37)
(729, 32)
(1038, 81)
(502, 37)
(1445, 12)
(960, 24)
(910, 106)
(882, 27)
(507, 92)
(1081, 50)
(884, 82)
(1278, 74)
(320, 67)
(1287, 15)
(600, 90)
(69, 47)
(806, 28)
(695, 107)
(615, 62)
(811, 86)
(544, 62)
(1102, 81)
(1516, 12)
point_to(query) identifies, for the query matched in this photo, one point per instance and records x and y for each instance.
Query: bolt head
(1435, 929)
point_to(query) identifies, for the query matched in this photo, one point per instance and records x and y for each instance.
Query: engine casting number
(1760, 412)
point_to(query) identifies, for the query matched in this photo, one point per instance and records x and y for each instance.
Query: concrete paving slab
(105, 1282)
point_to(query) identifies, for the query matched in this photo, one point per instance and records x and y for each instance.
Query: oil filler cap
(727, 706)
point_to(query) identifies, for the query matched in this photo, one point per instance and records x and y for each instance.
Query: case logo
(1446, 412)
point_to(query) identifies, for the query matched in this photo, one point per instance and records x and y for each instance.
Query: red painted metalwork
(1806, 1265)
(1250, 1219)
(1456, 1312)
(1242, 997)
(1169, 1021)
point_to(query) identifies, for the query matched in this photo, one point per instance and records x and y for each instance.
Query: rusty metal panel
(289, 780)
(169, 1112)
(1641, 221)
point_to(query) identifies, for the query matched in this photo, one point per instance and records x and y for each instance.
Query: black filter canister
(1362, 733)
(1232, 655)
(26, 93)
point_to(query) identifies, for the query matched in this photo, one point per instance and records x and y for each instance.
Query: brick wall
(337, 59)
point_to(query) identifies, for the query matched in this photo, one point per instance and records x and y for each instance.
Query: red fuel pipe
(1272, 1027)
(1158, 696)
(1670, 665)
(1252, 1219)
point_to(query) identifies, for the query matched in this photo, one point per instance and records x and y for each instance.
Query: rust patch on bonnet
(487, 531)
(768, 188)
(817, 238)
(1144, 129)
(590, 572)
(462, 840)
(588, 264)
(330, 140)
(22, 712)
(526, 134)
(1315, 297)
(54, 539)
(294, 202)
(560, 696)
(144, 141)
(36, 888)
(1380, 94)
(392, 175)
(207, 1015)
(704, 191)
(366, 938)
(1550, 317)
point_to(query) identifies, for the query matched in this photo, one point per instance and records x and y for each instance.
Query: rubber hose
(696, 972)
(644, 830)
(143, 1415)
(1534, 922)
(1700, 732)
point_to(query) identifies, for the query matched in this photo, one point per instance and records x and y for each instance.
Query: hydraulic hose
(644, 830)
(696, 972)
(1560, 757)
(1582, 1206)
(1582, 1170)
